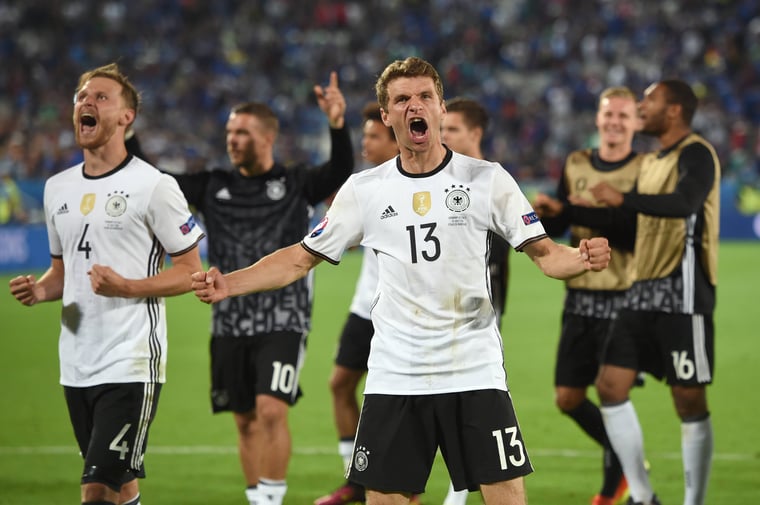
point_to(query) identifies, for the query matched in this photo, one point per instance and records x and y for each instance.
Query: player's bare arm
(171, 281)
(29, 291)
(274, 271)
(562, 262)
(331, 101)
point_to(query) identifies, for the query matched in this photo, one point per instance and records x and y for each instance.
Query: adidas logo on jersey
(223, 194)
(63, 209)
(388, 212)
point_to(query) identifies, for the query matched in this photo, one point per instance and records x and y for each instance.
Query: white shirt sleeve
(512, 215)
(170, 218)
(340, 229)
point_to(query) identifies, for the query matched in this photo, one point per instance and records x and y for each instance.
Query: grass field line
(172, 450)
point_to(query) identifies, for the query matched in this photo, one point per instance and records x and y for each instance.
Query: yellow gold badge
(88, 203)
(421, 202)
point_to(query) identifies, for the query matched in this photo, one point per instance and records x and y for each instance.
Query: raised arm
(331, 101)
(563, 262)
(273, 271)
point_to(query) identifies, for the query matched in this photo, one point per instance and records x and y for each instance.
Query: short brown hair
(474, 114)
(372, 111)
(410, 67)
(111, 71)
(262, 111)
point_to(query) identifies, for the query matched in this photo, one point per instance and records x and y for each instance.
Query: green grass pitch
(192, 458)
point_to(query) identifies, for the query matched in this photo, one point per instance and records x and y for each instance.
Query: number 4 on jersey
(84, 245)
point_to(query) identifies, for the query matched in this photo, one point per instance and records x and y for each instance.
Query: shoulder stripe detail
(520, 247)
(187, 249)
(318, 254)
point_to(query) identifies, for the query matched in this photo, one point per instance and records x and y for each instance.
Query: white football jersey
(435, 326)
(127, 219)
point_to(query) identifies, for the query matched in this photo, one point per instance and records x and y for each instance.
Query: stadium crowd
(537, 66)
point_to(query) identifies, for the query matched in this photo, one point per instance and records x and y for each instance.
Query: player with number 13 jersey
(420, 225)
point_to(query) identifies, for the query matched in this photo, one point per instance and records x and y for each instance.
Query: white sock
(624, 432)
(455, 497)
(346, 450)
(696, 450)
(271, 492)
(252, 495)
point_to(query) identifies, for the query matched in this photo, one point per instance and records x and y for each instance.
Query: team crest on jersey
(276, 189)
(361, 458)
(319, 228)
(457, 198)
(87, 203)
(421, 202)
(116, 205)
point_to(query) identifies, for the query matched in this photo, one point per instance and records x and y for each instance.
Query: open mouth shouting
(87, 123)
(418, 130)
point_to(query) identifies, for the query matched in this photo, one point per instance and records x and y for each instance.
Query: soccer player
(378, 146)
(436, 373)
(110, 221)
(462, 131)
(593, 299)
(666, 325)
(258, 341)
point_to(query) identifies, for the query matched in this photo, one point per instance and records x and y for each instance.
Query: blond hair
(111, 71)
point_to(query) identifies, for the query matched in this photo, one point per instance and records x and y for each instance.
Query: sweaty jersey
(597, 294)
(247, 218)
(127, 219)
(435, 325)
(677, 198)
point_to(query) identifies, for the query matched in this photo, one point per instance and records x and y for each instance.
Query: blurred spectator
(12, 156)
(532, 64)
(11, 204)
(11, 165)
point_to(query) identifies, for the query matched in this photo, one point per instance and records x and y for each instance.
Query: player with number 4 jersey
(129, 218)
(111, 221)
